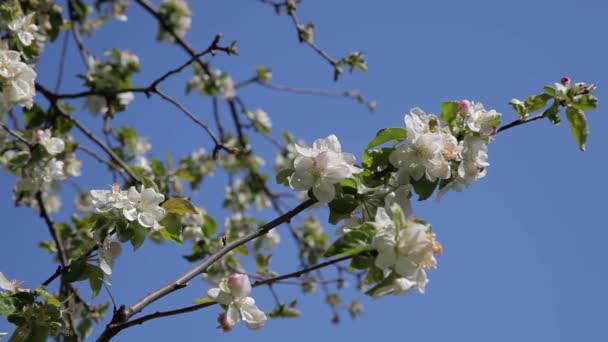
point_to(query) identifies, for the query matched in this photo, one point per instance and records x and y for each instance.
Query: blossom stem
(116, 328)
(122, 315)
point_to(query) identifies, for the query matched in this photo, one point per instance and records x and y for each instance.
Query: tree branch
(122, 315)
(121, 326)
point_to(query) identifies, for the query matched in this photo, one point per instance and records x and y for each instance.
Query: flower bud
(565, 81)
(463, 106)
(224, 322)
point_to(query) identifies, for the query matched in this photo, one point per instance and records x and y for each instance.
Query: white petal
(301, 180)
(324, 191)
(130, 213)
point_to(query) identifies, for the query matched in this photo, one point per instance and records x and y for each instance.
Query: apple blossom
(474, 159)
(144, 207)
(405, 246)
(108, 251)
(482, 121)
(17, 79)
(9, 285)
(233, 295)
(177, 15)
(24, 28)
(52, 144)
(429, 150)
(106, 200)
(322, 166)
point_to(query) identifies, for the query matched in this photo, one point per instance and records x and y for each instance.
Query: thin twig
(16, 135)
(519, 122)
(106, 336)
(123, 314)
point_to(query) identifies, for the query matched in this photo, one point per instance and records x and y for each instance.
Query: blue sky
(523, 248)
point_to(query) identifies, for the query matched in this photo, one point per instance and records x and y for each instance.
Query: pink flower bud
(463, 106)
(236, 281)
(565, 81)
(225, 324)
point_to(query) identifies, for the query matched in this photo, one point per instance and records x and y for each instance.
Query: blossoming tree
(380, 242)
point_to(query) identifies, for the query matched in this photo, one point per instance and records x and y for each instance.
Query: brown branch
(519, 122)
(121, 326)
(216, 141)
(352, 94)
(50, 96)
(123, 314)
(16, 135)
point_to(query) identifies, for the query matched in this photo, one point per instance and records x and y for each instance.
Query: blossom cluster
(405, 246)
(321, 167)
(16, 81)
(113, 73)
(456, 153)
(233, 295)
(177, 15)
(141, 206)
(211, 85)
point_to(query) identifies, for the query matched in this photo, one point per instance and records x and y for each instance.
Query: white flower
(474, 159)
(141, 146)
(192, 233)
(144, 207)
(108, 251)
(19, 87)
(96, 104)
(261, 119)
(53, 171)
(350, 224)
(177, 13)
(422, 157)
(233, 294)
(322, 166)
(74, 166)
(52, 145)
(417, 123)
(106, 200)
(8, 61)
(405, 246)
(272, 239)
(24, 28)
(228, 88)
(482, 121)
(428, 151)
(10, 286)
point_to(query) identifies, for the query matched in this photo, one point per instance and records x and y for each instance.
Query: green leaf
(424, 188)
(172, 224)
(19, 159)
(184, 174)
(78, 271)
(179, 206)
(342, 207)
(578, 125)
(449, 112)
(7, 305)
(351, 243)
(157, 167)
(50, 299)
(550, 90)
(96, 276)
(34, 117)
(552, 113)
(203, 300)
(586, 102)
(85, 327)
(122, 230)
(171, 237)
(210, 227)
(536, 102)
(283, 176)
(383, 287)
(395, 134)
(139, 235)
(38, 333)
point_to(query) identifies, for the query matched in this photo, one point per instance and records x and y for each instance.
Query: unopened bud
(463, 106)
(565, 81)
